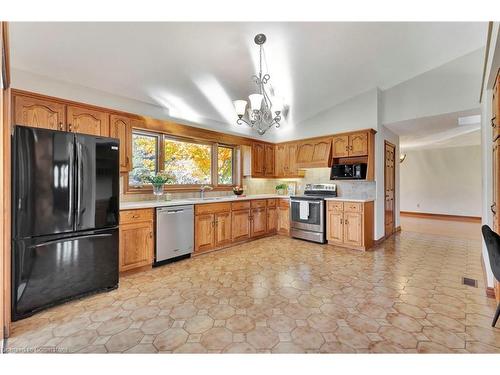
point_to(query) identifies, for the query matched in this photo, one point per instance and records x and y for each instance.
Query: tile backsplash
(252, 186)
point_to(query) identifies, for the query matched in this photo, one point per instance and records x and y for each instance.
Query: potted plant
(280, 189)
(158, 180)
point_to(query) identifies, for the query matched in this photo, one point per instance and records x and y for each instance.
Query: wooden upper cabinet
(314, 153)
(358, 144)
(340, 145)
(281, 158)
(269, 160)
(87, 121)
(291, 169)
(120, 127)
(258, 159)
(39, 113)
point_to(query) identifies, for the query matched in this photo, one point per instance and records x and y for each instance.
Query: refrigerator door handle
(71, 179)
(79, 182)
(78, 237)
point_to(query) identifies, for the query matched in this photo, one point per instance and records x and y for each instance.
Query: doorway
(389, 187)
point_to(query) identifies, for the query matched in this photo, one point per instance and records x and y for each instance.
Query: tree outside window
(144, 157)
(225, 165)
(188, 163)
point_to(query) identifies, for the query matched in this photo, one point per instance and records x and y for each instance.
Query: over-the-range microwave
(348, 171)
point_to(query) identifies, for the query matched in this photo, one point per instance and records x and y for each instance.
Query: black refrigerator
(65, 212)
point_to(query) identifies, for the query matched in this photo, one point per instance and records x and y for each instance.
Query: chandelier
(263, 113)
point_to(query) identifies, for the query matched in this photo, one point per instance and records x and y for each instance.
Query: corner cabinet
(350, 224)
(121, 127)
(259, 160)
(136, 239)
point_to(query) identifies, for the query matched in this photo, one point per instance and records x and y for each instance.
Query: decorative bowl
(238, 191)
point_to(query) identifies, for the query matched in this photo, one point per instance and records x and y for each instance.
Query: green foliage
(159, 178)
(144, 160)
(281, 187)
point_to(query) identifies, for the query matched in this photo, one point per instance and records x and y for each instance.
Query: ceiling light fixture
(263, 113)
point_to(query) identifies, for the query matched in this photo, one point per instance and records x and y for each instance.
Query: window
(144, 156)
(187, 162)
(225, 165)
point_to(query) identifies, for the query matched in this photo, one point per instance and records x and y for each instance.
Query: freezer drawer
(50, 270)
(174, 232)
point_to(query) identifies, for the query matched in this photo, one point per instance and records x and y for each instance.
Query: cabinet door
(269, 161)
(258, 222)
(87, 121)
(136, 245)
(283, 220)
(340, 146)
(353, 228)
(358, 144)
(204, 232)
(335, 227)
(281, 158)
(291, 167)
(258, 159)
(272, 220)
(240, 221)
(321, 152)
(120, 128)
(39, 113)
(305, 152)
(222, 229)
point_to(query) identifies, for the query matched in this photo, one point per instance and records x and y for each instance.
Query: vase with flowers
(158, 180)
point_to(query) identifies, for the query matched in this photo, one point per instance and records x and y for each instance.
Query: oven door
(315, 220)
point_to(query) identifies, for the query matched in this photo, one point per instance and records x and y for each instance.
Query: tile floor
(282, 295)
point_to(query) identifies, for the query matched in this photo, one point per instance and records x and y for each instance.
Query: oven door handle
(310, 202)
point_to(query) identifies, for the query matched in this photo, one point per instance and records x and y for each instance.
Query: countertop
(130, 205)
(348, 199)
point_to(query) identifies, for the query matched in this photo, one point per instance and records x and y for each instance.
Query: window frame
(148, 188)
(158, 156)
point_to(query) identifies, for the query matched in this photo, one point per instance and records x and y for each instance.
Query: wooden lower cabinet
(204, 227)
(258, 222)
(283, 214)
(223, 229)
(136, 239)
(272, 220)
(240, 225)
(350, 224)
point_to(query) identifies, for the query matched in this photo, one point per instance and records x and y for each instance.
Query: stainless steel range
(308, 212)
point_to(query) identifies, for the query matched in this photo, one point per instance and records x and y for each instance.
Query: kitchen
(148, 222)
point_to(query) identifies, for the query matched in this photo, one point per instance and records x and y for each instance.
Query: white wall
(452, 87)
(442, 181)
(359, 112)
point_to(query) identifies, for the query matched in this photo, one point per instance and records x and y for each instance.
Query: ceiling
(197, 69)
(438, 131)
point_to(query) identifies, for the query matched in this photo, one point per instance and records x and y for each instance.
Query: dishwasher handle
(174, 210)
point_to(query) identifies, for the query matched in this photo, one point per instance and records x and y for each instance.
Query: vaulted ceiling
(197, 69)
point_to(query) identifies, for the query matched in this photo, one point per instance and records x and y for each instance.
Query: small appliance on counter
(308, 213)
(348, 171)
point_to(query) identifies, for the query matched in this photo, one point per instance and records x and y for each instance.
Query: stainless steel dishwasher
(174, 232)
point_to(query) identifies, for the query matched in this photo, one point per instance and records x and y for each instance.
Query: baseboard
(470, 219)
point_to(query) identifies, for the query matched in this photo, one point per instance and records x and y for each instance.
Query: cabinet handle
(341, 221)
(135, 216)
(346, 222)
(493, 122)
(61, 126)
(150, 234)
(492, 207)
(69, 126)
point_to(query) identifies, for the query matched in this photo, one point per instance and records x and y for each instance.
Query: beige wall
(442, 181)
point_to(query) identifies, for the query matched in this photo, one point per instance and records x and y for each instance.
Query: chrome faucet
(202, 190)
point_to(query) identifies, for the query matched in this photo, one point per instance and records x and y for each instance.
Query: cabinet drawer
(132, 216)
(258, 203)
(335, 206)
(353, 207)
(271, 203)
(284, 203)
(235, 206)
(211, 208)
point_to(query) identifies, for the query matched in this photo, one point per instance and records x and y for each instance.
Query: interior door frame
(387, 143)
